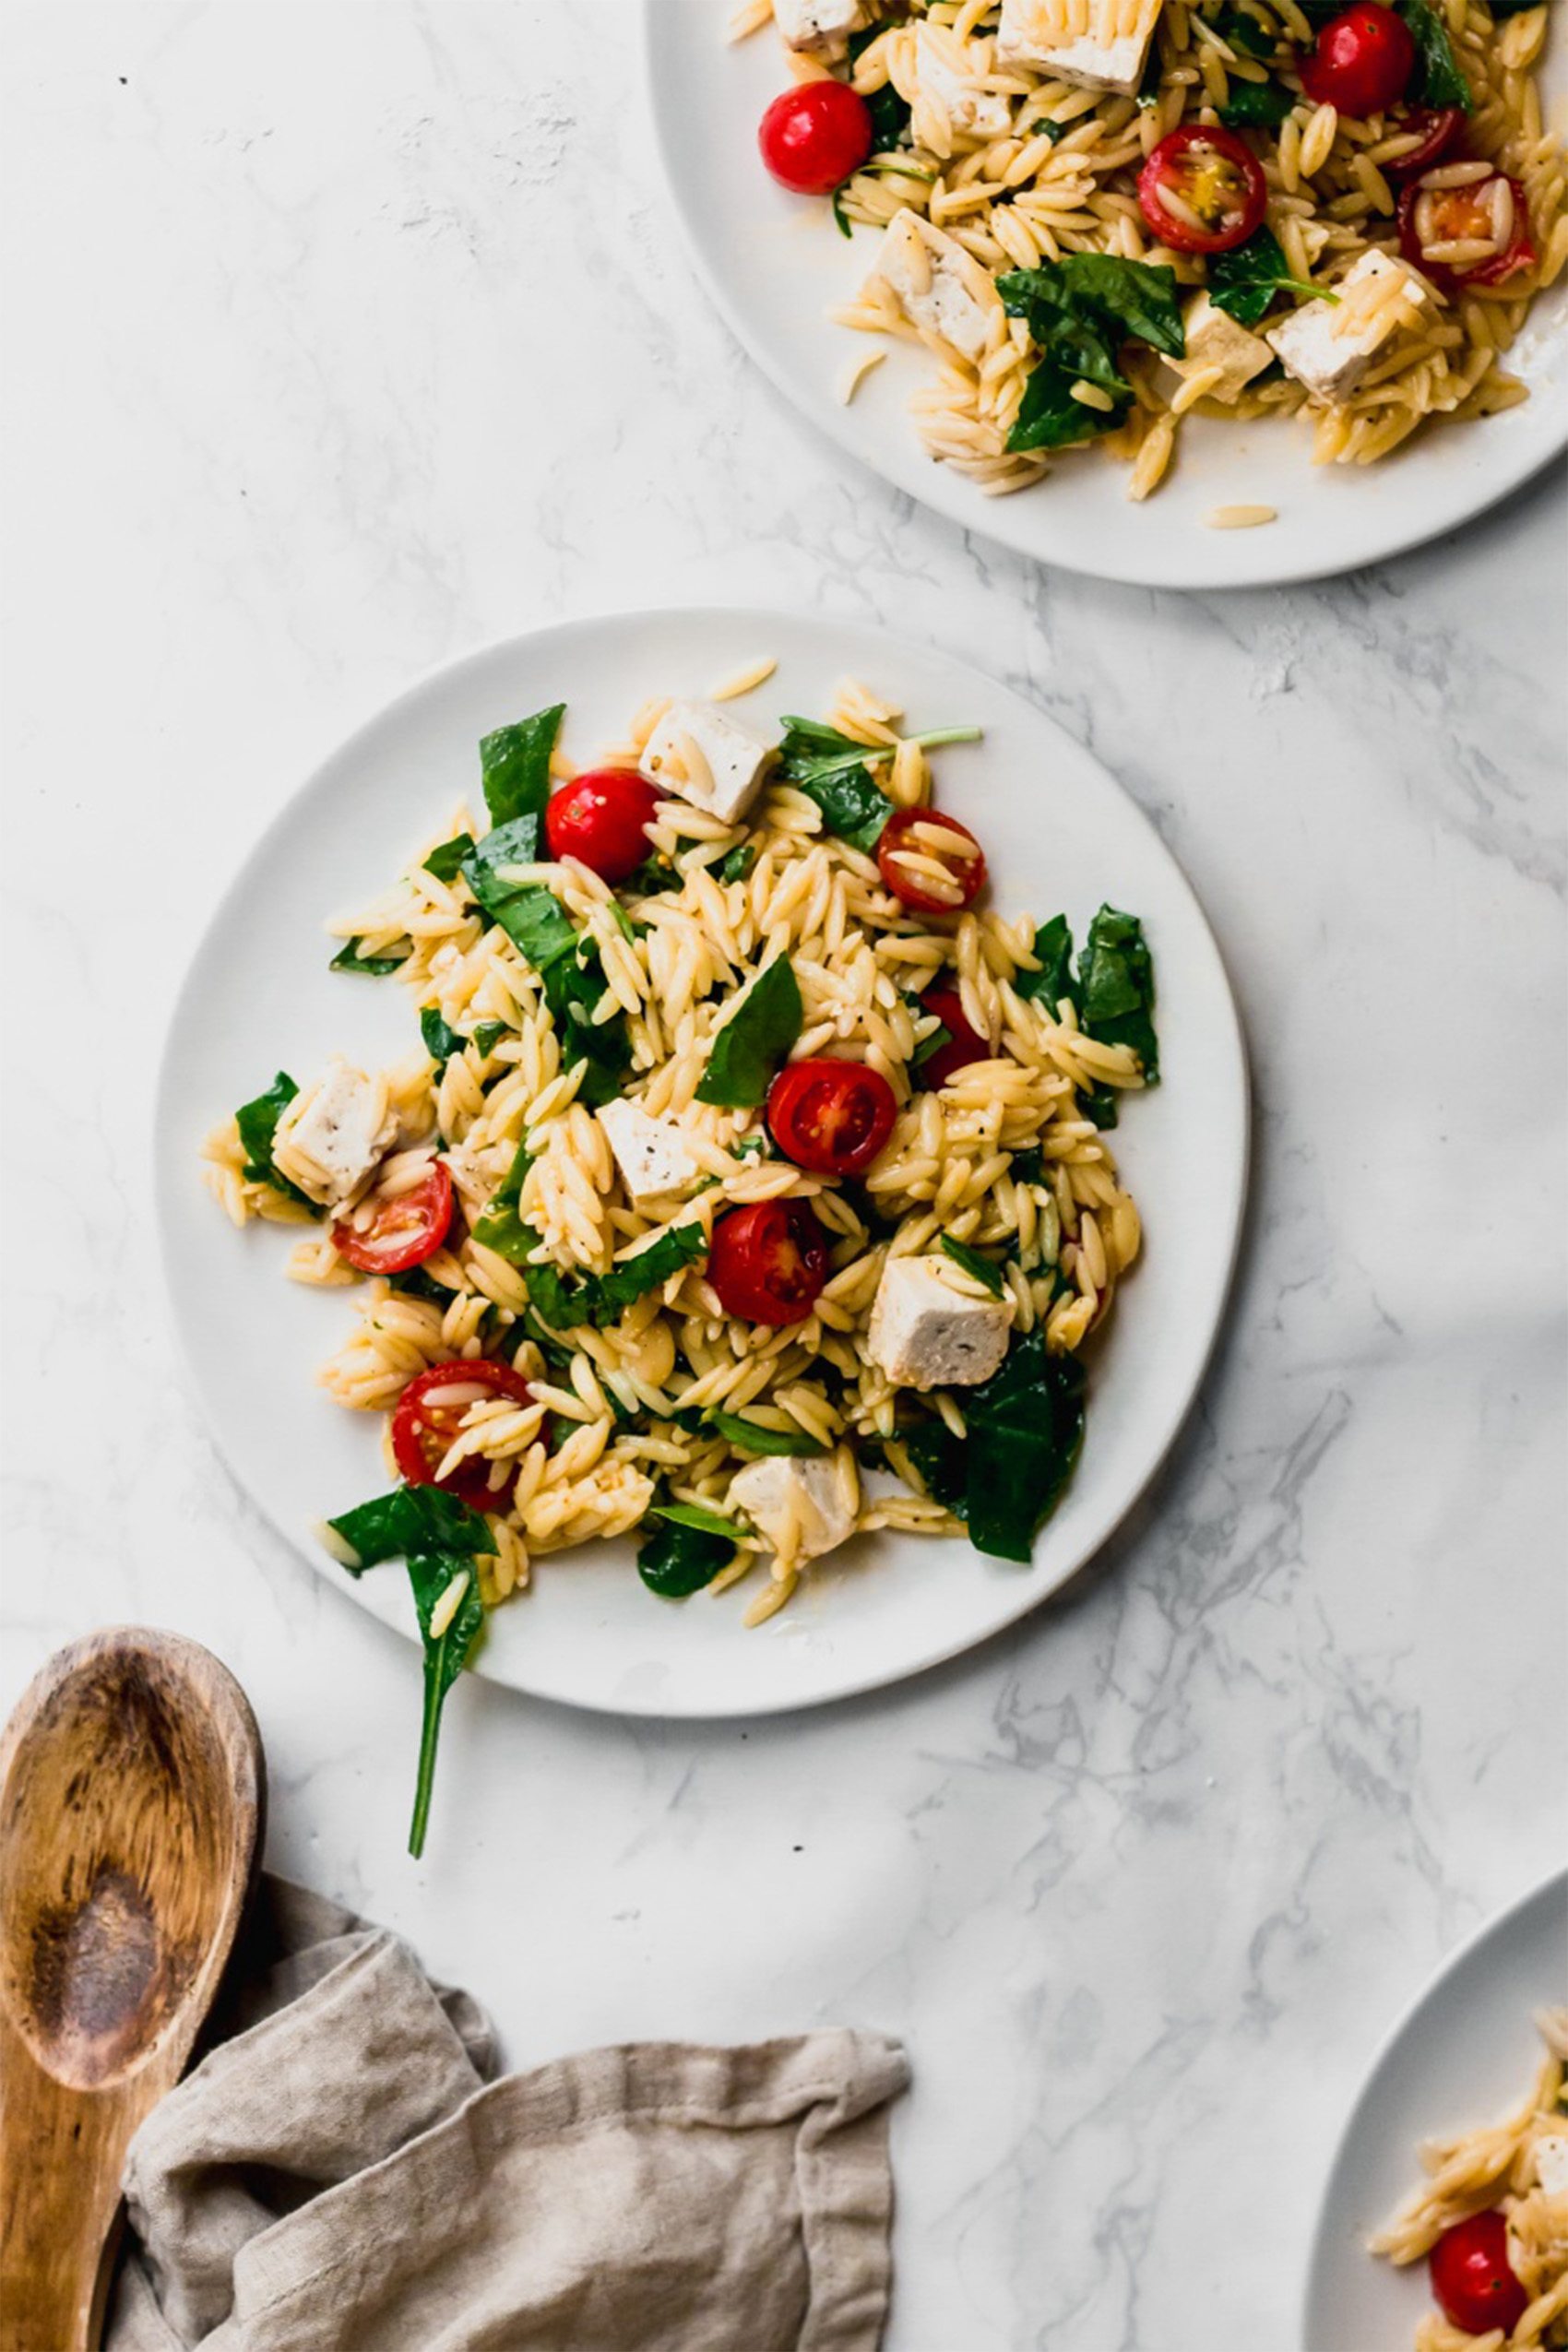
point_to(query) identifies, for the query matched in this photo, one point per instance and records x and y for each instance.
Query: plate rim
(810, 403)
(1321, 2248)
(848, 1683)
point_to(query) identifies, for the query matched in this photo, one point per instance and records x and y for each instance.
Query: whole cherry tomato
(1361, 62)
(426, 1420)
(930, 862)
(1202, 190)
(389, 1232)
(1471, 2277)
(769, 1262)
(813, 137)
(832, 1117)
(964, 1044)
(600, 819)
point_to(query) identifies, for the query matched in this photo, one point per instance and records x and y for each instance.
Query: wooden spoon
(132, 1787)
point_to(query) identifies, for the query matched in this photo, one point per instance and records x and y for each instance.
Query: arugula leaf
(602, 1298)
(1245, 280)
(938, 1455)
(689, 1514)
(440, 1040)
(348, 959)
(1257, 106)
(1116, 987)
(737, 864)
(515, 764)
(1053, 945)
(499, 1225)
(980, 1268)
(832, 769)
(446, 1655)
(411, 1518)
(257, 1123)
(1437, 80)
(754, 1040)
(679, 1559)
(446, 861)
(759, 1440)
(1025, 1426)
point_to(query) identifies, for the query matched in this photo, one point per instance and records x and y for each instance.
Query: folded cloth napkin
(343, 2174)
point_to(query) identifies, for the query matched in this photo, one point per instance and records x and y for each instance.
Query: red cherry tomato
(832, 1117)
(1217, 183)
(1433, 128)
(769, 1262)
(813, 137)
(965, 1044)
(425, 1421)
(598, 819)
(1471, 2278)
(1361, 62)
(1481, 212)
(400, 1231)
(906, 860)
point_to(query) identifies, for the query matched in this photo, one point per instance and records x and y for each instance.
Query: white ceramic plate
(775, 264)
(260, 998)
(1462, 2055)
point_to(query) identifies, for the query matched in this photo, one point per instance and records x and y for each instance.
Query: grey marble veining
(354, 336)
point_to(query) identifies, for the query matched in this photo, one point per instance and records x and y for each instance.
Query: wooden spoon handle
(61, 2156)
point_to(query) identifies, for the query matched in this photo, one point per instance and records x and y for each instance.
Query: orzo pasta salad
(1101, 216)
(1492, 2222)
(751, 1186)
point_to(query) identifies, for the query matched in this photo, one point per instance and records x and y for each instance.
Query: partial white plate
(260, 998)
(775, 264)
(1462, 2055)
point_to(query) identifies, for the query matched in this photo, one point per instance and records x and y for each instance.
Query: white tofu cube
(1329, 346)
(1551, 2164)
(927, 1333)
(945, 65)
(333, 1134)
(1110, 55)
(704, 754)
(938, 285)
(820, 1493)
(821, 28)
(650, 1153)
(1215, 340)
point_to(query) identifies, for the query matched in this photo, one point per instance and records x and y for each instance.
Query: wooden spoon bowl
(131, 1796)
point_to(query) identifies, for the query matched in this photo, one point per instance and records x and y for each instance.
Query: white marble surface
(345, 337)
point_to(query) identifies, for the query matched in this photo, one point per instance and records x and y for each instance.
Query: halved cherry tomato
(1217, 184)
(400, 1231)
(425, 1418)
(907, 856)
(1361, 62)
(832, 1117)
(1433, 128)
(965, 1044)
(813, 137)
(769, 1262)
(1477, 212)
(598, 818)
(1471, 2277)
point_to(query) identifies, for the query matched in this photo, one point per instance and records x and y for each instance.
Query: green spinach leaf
(602, 1298)
(1437, 80)
(889, 113)
(411, 1518)
(515, 764)
(737, 864)
(1243, 32)
(690, 1514)
(754, 1040)
(573, 987)
(674, 1560)
(738, 1431)
(446, 861)
(257, 1123)
(1080, 310)
(832, 769)
(1257, 106)
(1025, 1426)
(938, 1455)
(1116, 987)
(979, 1268)
(500, 1226)
(348, 959)
(1244, 281)
(440, 1040)
(446, 1655)
(1053, 945)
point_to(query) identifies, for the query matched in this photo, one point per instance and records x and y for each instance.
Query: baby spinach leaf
(531, 916)
(939, 1037)
(1080, 310)
(602, 1298)
(1026, 1426)
(1244, 281)
(1257, 106)
(889, 113)
(446, 861)
(655, 874)
(411, 1518)
(488, 1035)
(1049, 417)
(446, 1655)
(1053, 945)
(1116, 987)
(348, 959)
(738, 1431)
(440, 1040)
(1243, 32)
(1437, 80)
(500, 1226)
(737, 864)
(573, 987)
(938, 1455)
(515, 764)
(675, 1560)
(754, 1040)
(832, 769)
(689, 1514)
(979, 1268)
(257, 1123)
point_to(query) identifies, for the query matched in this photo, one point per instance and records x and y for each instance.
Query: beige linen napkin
(343, 2176)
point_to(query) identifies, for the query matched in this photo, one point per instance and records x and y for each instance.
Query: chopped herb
(755, 1439)
(446, 1655)
(747, 1051)
(348, 959)
(1257, 106)
(737, 863)
(1026, 1426)
(1245, 280)
(445, 862)
(688, 1514)
(257, 1123)
(1054, 132)
(979, 1268)
(831, 769)
(515, 764)
(500, 1227)
(602, 1298)
(675, 1560)
(411, 1518)
(1437, 81)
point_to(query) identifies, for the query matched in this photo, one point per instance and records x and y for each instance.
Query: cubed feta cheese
(1215, 340)
(704, 754)
(1110, 55)
(944, 67)
(927, 1333)
(1329, 346)
(650, 1153)
(938, 285)
(333, 1133)
(820, 1492)
(820, 26)
(1551, 2162)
